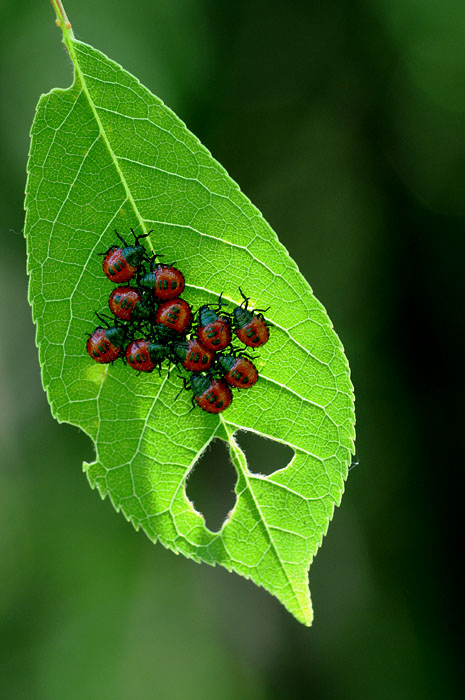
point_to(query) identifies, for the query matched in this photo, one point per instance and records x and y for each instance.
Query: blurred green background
(344, 123)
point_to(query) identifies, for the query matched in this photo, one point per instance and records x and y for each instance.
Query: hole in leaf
(210, 485)
(264, 456)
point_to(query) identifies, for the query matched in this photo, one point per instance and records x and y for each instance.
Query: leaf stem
(62, 20)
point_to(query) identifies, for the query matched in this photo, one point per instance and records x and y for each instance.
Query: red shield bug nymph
(175, 314)
(121, 264)
(104, 345)
(193, 355)
(240, 372)
(212, 395)
(144, 355)
(166, 281)
(213, 330)
(126, 303)
(250, 326)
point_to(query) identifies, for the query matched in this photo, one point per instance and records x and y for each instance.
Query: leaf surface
(105, 154)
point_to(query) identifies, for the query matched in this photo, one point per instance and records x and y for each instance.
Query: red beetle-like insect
(121, 264)
(175, 314)
(104, 345)
(193, 355)
(239, 371)
(250, 326)
(166, 281)
(144, 355)
(213, 331)
(126, 303)
(212, 395)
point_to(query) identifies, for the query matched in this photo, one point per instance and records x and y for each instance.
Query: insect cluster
(152, 324)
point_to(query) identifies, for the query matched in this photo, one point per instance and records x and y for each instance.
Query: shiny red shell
(216, 398)
(168, 283)
(137, 355)
(215, 335)
(175, 314)
(116, 267)
(101, 349)
(243, 374)
(122, 302)
(254, 333)
(198, 358)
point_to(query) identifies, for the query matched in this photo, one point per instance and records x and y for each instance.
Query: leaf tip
(304, 614)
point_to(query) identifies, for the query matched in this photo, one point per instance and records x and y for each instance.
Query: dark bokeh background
(344, 122)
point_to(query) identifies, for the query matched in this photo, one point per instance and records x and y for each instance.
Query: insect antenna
(112, 247)
(141, 235)
(262, 311)
(121, 238)
(221, 303)
(245, 299)
(103, 319)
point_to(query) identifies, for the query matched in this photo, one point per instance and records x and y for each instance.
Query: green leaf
(105, 154)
